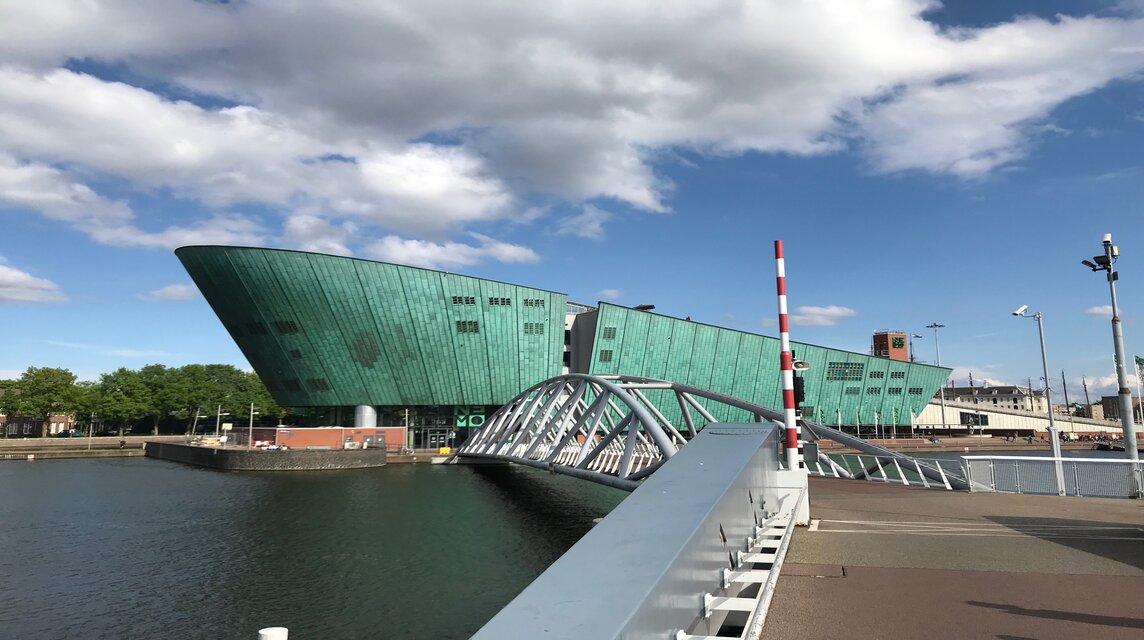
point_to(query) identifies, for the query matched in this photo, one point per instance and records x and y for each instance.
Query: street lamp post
(937, 348)
(1054, 437)
(250, 430)
(218, 420)
(1104, 263)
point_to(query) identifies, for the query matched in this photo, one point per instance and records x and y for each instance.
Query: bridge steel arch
(608, 430)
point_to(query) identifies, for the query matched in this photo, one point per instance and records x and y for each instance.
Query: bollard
(273, 633)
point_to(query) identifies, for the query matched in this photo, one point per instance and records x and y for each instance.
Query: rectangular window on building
(500, 302)
(845, 371)
(286, 326)
(877, 374)
(609, 333)
(897, 375)
(534, 328)
(318, 384)
(894, 391)
(534, 302)
(873, 391)
(468, 326)
(915, 391)
(464, 300)
(606, 355)
(853, 391)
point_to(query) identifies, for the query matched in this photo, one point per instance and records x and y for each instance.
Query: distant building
(17, 426)
(1004, 397)
(1110, 405)
(892, 345)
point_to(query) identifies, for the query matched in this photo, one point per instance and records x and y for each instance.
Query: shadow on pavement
(1119, 541)
(1071, 616)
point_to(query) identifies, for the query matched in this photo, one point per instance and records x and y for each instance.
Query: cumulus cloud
(809, 316)
(313, 233)
(983, 375)
(20, 286)
(433, 255)
(1103, 311)
(589, 223)
(610, 294)
(172, 292)
(420, 119)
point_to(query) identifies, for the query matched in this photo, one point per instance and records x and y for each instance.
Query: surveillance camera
(1107, 239)
(1020, 311)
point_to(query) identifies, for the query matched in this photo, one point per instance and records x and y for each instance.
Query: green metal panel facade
(325, 330)
(839, 384)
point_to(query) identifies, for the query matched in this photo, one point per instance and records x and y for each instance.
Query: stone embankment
(63, 448)
(239, 459)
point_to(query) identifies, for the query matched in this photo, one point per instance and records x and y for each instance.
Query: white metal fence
(1094, 477)
(910, 472)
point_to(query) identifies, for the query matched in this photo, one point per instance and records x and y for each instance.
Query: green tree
(123, 398)
(9, 400)
(46, 391)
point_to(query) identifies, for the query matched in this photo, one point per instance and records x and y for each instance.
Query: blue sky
(923, 162)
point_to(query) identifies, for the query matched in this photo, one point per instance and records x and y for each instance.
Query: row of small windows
(468, 326)
(609, 333)
(472, 326)
(894, 375)
(498, 302)
(533, 328)
(845, 371)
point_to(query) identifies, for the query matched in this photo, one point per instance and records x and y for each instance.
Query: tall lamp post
(1104, 263)
(937, 348)
(250, 429)
(1054, 437)
(218, 420)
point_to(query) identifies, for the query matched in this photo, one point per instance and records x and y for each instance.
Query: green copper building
(336, 337)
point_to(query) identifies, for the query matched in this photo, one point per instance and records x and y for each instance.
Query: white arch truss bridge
(608, 430)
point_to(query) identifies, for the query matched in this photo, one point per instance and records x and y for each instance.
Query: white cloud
(20, 286)
(117, 352)
(312, 233)
(983, 375)
(432, 255)
(589, 223)
(172, 292)
(610, 294)
(808, 316)
(1103, 311)
(423, 118)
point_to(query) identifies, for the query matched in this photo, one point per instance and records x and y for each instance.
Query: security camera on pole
(1105, 263)
(1054, 436)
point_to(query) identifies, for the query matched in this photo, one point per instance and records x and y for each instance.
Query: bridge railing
(893, 470)
(1092, 477)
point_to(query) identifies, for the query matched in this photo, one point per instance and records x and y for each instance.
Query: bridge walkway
(887, 561)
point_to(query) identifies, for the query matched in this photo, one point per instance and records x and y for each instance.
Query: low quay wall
(259, 460)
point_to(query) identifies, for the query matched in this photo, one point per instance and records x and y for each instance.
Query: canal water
(138, 548)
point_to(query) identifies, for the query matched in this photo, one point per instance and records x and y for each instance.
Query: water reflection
(136, 548)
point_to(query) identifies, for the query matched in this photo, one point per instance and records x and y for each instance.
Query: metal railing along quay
(1086, 477)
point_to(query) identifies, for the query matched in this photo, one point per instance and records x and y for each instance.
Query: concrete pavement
(888, 561)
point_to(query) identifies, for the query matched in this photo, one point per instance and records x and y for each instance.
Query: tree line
(155, 398)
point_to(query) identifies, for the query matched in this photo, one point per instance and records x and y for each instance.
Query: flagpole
(1139, 395)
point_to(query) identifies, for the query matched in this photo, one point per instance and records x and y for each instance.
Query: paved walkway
(887, 561)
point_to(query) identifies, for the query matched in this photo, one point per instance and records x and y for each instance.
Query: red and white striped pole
(786, 364)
